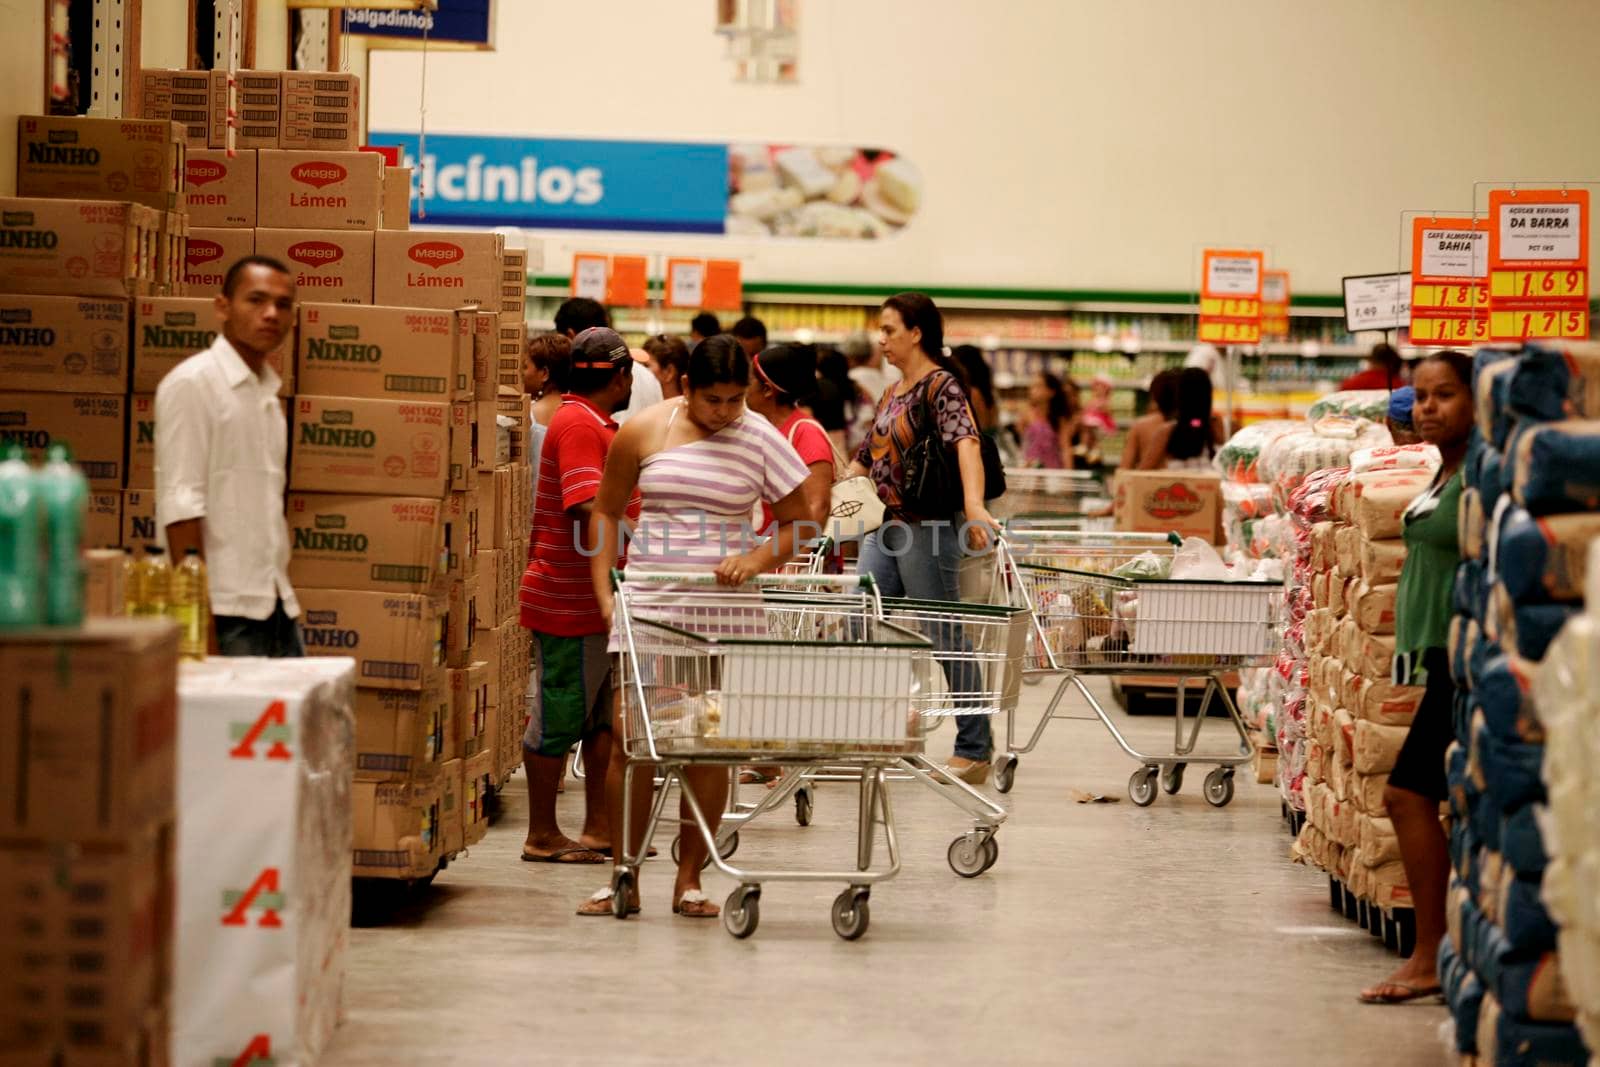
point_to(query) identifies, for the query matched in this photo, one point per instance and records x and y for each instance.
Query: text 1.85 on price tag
(1449, 287)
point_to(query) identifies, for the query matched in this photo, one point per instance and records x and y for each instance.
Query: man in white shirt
(221, 443)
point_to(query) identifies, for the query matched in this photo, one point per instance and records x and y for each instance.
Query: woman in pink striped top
(701, 463)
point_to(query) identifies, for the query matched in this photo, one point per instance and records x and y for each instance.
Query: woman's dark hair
(1384, 357)
(578, 313)
(1164, 393)
(1458, 362)
(918, 312)
(1057, 409)
(980, 379)
(670, 352)
(835, 402)
(552, 353)
(1191, 435)
(718, 360)
(705, 324)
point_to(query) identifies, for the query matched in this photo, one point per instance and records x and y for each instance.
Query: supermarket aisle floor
(1106, 934)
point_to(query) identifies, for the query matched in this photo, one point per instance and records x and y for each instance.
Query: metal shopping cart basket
(712, 676)
(1088, 623)
(1071, 498)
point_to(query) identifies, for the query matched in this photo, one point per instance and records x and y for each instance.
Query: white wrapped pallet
(265, 758)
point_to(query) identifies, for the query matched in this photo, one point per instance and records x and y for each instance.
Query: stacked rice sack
(1527, 517)
(1358, 719)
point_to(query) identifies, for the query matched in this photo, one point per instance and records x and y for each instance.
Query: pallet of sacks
(1527, 519)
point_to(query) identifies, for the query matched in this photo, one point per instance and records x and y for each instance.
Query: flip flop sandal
(1411, 993)
(695, 905)
(560, 856)
(651, 853)
(602, 897)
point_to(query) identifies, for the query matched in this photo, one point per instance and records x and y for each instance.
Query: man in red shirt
(572, 702)
(1383, 371)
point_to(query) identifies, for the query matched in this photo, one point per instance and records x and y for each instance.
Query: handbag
(932, 484)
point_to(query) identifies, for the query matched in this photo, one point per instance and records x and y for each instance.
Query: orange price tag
(1449, 294)
(1230, 296)
(628, 285)
(1538, 264)
(1275, 304)
(724, 290)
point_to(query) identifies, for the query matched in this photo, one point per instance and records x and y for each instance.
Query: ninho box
(1186, 503)
(258, 108)
(102, 520)
(330, 266)
(91, 425)
(141, 442)
(397, 833)
(210, 252)
(378, 352)
(321, 110)
(76, 247)
(319, 190)
(402, 734)
(65, 344)
(139, 520)
(181, 96)
(365, 542)
(396, 639)
(101, 159)
(385, 447)
(221, 191)
(438, 268)
(166, 331)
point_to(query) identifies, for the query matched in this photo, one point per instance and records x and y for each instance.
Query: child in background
(1048, 437)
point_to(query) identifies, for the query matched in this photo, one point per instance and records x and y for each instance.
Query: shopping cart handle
(787, 581)
(1174, 539)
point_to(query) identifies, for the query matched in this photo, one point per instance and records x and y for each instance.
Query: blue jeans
(922, 560)
(277, 636)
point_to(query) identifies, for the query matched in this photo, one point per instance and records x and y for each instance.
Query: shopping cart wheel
(967, 855)
(1005, 773)
(742, 912)
(1172, 779)
(1219, 787)
(1142, 786)
(851, 913)
(802, 806)
(725, 849)
(621, 889)
(991, 853)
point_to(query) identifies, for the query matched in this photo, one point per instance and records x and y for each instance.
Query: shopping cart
(1088, 623)
(1077, 497)
(780, 675)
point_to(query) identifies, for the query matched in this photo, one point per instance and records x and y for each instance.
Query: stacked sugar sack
(1357, 718)
(1527, 517)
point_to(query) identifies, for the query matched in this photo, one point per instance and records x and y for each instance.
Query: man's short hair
(230, 280)
(705, 324)
(750, 328)
(579, 313)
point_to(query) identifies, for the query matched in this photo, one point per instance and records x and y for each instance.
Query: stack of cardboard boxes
(87, 806)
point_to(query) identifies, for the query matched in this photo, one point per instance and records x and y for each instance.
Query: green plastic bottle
(63, 499)
(19, 541)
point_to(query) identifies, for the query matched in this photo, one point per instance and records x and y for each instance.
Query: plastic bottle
(155, 582)
(190, 605)
(63, 498)
(20, 598)
(130, 583)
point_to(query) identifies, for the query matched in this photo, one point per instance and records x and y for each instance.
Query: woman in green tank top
(1443, 416)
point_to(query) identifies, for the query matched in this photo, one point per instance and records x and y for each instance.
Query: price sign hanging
(589, 274)
(1275, 305)
(1230, 297)
(1377, 301)
(628, 285)
(686, 280)
(1538, 264)
(1449, 281)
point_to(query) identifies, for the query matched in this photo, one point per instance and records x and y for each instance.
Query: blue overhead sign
(462, 21)
(543, 183)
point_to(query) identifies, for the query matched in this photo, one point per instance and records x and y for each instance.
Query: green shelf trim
(1064, 296)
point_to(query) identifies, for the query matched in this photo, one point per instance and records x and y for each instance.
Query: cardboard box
(403, 734)
(396, 639)
(221, 191)
(181, 96)
(466, 352)
(141, 442)
(210, 252)
(463, 446)
(452, 808)
(477, 785)
(1186, 503)
(514, 282)
(378, 352)
(172, 254)
(139, 520)
(258, 108)
(319, 190)
(75, 158)
(469, 707)
(385, 447)
(497, 648)
(485, 354)
(439, 268)
(384, 543)
(167, 331)
(321, 110)
(330, 266)
(103, 582)
(493, 447)
(461, 524)
(88, 950)
(91, 425)
(461, 619)
(75, 247)
(396, 828)
(499, 578)
(64, 344)
(513, 345)
(396, 198)
(102, 523)
(89, 717)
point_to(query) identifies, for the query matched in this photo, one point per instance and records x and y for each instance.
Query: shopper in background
(1195, 433)
(751, 333)
(669, 358)
(572, 702)
(579, 313)
(1401, 428)
(1143, 450)
(1097, 414)
(920, 555)
(1384, 370)
(868, 367)
(1444, 417)
(841, 405)
(1047, 439)
(700, 464)
(702, 326)
(544, 377)
(221, 444)
(979, 380)
(783, 378)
